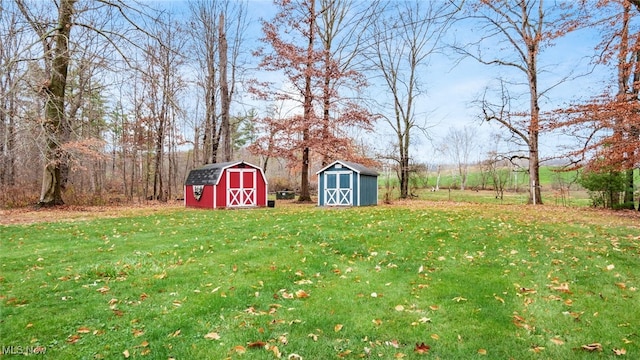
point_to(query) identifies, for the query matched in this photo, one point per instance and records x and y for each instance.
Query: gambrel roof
(210, 174)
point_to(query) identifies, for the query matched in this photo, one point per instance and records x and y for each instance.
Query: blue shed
(344, 183)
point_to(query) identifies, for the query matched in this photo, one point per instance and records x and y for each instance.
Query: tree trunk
(225, 98)
(51, 194)
(305, 195)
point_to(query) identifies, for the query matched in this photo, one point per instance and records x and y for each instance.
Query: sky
(453, 84)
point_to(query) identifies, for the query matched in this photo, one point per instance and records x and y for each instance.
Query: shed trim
(360, 169)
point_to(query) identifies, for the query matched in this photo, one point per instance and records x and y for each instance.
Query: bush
(604, 187)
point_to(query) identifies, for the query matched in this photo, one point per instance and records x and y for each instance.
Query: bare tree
(9, 72)
(459, 145)
(403, 37)
(56, 37)
(524, 28)
(217, 30)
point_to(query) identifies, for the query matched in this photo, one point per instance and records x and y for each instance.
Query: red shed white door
(241, 187)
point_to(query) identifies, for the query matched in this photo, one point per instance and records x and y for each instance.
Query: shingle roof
(359, 168)
(208, 174)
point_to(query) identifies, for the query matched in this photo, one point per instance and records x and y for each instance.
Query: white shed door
(338, 189)
(241, 187)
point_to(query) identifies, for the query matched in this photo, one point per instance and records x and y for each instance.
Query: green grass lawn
(467, 280)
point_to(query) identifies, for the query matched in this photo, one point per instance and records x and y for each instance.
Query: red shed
(230, 184)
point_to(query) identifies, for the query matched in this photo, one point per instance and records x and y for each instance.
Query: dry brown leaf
(256, 344)
(84, 330)
(564, 288)
(212, 336)
(422, 348)
(592, 347)
(557, 341)
(175, 333)
(103, 290)
(73, 339)
(338, 327)
(482, 351)
(537, 349)
(619, 352)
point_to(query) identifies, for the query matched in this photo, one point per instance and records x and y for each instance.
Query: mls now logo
(23, 350)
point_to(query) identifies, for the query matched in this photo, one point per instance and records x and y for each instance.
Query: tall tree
(56, 36)
(292, 37)
(402, 40)
(9, 74)
(522, 29)
(340, 30)
(608, 124)
(459, 145)
(308, 44)
(218, 40)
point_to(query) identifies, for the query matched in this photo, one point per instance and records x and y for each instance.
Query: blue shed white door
(241, 187)
(339, 188)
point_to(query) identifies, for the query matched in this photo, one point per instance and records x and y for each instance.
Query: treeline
(115, 101)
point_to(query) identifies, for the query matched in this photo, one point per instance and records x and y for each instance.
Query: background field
(467, 280)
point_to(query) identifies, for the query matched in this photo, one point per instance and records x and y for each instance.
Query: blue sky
(452, 86)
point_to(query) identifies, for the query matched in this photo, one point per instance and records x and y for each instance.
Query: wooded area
(112, 101)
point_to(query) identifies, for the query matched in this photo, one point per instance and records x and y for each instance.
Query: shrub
(604, 187)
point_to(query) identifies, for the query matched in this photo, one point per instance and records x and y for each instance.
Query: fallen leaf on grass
(458, 299)
(557, 341)
(537, 349)
(498, 298)
(239, 349)
(274, 349)
(482, 351)
(338, 327)
(619, 352)
(103, 290)
(212, 336)
(422, 348)
(592, 347)
(256, 344)
(84, 330)
(125, 354)
(73, 339)
(564, 288)
(393, 343)
(175, 333)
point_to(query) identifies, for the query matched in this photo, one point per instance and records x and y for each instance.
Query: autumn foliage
(308, 112)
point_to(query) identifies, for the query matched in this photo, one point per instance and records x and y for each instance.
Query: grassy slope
(514, 282)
